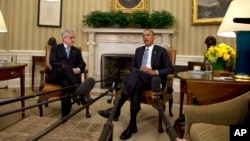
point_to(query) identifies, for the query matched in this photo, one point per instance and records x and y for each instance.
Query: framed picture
(49, 13)
(209, 12)
(128, 6)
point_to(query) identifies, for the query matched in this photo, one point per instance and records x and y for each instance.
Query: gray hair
(65, 33)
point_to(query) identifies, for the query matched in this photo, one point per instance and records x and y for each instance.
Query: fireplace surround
(117, 42)
(112, 62)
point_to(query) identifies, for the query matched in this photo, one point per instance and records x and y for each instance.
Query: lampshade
(3, 27)
(236, 9)
(228, 28)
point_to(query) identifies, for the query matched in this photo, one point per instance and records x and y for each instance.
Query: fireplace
(116, 44)
(112, 62)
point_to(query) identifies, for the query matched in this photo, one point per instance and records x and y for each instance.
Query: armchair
(46, 87)
(147, 95)
(211, 122)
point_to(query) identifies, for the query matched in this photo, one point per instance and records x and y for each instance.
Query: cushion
(247, 117)
(51, 87)
(209, 132)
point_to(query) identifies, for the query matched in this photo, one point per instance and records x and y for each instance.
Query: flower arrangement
(221, 54)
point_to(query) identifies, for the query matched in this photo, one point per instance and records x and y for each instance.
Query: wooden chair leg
(40, 107)
(170, 102)
(88, 115)
(160, 129)
(41, 111)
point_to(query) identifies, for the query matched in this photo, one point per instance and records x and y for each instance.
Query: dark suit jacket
(58, 58)
(159, 61)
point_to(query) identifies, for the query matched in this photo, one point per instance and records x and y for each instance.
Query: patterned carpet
(78, 127)
(72, 130)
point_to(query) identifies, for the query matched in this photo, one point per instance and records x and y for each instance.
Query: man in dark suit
(66, 67)
(157, 63)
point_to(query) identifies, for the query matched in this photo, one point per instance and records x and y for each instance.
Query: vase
(218, 68)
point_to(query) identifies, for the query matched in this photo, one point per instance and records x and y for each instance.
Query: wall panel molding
(26, 57)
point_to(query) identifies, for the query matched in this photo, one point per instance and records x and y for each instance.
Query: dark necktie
(67, 51)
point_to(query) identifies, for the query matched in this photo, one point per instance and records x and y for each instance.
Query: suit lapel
(154, 55)
(141, 53)
(62, 50)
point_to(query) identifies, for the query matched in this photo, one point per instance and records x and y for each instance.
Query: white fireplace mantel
(117, 41)
(126, 30)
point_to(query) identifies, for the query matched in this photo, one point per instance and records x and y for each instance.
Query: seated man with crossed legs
(149, 60)
(67, 64)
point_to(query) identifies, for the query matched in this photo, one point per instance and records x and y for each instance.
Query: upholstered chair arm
(168, 90)
(224, 113)
(85, 73)
(42, 79)
(43, 74)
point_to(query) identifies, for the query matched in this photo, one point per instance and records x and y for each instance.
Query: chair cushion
(209, 132)
(49, 88)
(247, 117)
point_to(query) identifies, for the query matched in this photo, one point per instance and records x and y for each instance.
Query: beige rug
(72, 130)
(80, 128)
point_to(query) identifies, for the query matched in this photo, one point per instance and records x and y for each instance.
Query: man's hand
(179, 139)
(76, 70)
(148, 70)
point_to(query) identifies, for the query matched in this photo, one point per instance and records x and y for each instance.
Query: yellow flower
(226, 57)
(221, 53)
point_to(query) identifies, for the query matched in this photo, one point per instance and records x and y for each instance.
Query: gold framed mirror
(128, 6)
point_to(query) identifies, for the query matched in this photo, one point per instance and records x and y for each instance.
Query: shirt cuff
(157, 73)
(79, 70)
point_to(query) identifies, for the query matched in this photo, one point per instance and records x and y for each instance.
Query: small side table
(12, 70)
(35, 59)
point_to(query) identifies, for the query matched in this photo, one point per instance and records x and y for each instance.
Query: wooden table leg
(33, 71)
(181, 103)
(22, 83)
(183, 88)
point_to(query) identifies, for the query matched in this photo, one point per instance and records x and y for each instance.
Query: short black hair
(52, 41)
(210, 40)
(150, 31)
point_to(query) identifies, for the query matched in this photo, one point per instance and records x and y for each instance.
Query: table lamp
(3, 27)
(239, 9)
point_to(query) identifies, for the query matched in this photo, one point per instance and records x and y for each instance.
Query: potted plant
(140, 19)
(137, 19)
(96, 19)
(161, 19)
(220, 56)
(117, 19)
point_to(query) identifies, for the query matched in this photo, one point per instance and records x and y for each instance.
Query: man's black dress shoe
(63, 119)
(106, 113)
(128, 132)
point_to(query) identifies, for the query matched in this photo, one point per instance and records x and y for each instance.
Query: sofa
(211, 122)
